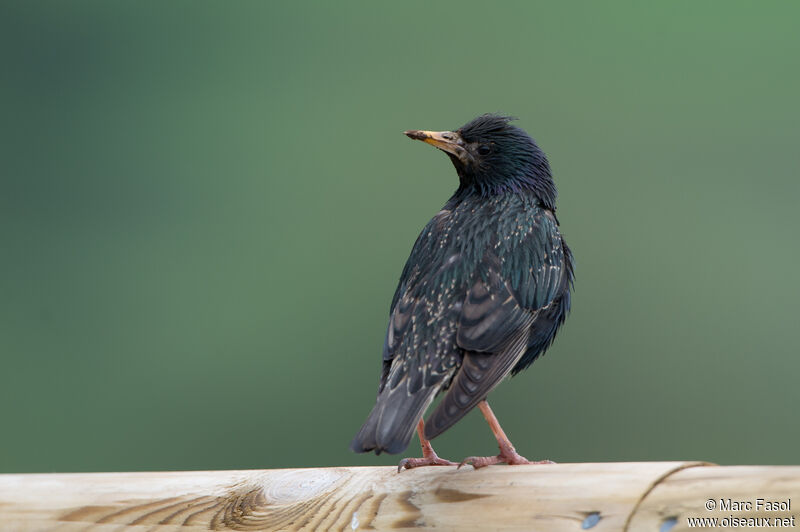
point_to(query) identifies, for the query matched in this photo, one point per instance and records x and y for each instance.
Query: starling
(482, 295)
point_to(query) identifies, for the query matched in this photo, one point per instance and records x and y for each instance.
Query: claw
(429, 456)
(411, 463)
(505, 457)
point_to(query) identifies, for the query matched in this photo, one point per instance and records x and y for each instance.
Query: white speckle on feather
(354, 521)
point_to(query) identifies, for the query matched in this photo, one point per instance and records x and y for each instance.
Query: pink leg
(508, 455)
(429, 457)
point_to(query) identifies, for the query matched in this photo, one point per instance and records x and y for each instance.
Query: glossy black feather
(482, 294)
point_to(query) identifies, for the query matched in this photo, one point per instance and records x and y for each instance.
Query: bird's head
(492, 156)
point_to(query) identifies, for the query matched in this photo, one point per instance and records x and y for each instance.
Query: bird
(485, 289)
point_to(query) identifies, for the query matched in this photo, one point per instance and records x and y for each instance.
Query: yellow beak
(448, 141)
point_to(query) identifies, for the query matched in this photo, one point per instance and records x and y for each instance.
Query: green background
(205, 207)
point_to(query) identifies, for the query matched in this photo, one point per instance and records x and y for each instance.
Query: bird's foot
(482, 461)
(508, 455)
(431, 460)
(429, 456)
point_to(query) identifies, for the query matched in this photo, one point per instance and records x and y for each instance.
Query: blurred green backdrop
(205, 207)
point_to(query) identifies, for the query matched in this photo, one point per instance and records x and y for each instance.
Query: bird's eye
(483, 149)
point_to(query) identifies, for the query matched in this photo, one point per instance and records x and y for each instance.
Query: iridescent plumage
(483, 292)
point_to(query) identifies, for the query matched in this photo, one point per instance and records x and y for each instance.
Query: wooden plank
(559, 497)
(732, 494)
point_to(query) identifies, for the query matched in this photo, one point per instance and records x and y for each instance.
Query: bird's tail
(392, 421)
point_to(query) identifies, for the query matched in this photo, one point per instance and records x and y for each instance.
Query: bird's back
(482, 273)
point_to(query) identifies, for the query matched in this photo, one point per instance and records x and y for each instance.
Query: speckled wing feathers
(464, 311)
(490, 315)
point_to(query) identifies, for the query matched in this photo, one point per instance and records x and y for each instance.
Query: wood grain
(573, 497)
(683, 495)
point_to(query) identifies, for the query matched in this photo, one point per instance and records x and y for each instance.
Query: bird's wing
(421, 331)
(413, 297)
(419, 355)
(519, 277)
(399, 322)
